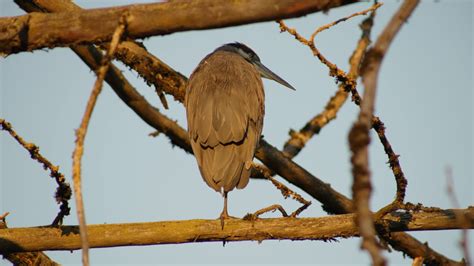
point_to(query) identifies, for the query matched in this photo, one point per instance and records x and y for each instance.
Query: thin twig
(272, 208)
(359, 138)
(285, 191)
(81, 134)
(348, 81)
(299, 139)
(349, 85)
(393, 162)
(63, 192)
(460, 218)
(370, 69)
(327, 26)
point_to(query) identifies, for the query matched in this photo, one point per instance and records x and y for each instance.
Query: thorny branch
(359, 137)
(63, 192)
(81, 134)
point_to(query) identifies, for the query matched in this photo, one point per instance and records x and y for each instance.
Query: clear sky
(424, 97)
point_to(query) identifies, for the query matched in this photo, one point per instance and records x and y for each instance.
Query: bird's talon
(225, 216)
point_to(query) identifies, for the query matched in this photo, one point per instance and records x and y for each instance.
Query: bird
(225, 108)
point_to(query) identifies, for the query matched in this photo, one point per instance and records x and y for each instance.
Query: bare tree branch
(285, 191)
(39, 30)
(401, 241)
(63, 192)
(133, 54)
(25, 258)
(333, 201)
(298, 140)
(370, 70)
(173, 232)
(349, 84)
(81, 134)
(359, 138)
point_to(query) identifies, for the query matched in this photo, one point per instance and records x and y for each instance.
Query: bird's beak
(267, 73)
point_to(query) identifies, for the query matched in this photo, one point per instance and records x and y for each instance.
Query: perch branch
(190, 231)
(25, 258)
(39, 30)
(63, 192)
(82, 131)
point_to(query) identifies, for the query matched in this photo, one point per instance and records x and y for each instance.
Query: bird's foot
(225, 216)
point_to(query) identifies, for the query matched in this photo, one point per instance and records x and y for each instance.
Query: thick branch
(133, 54)
(25, 258)
(39, 30)
(333, 201)
(173, 232)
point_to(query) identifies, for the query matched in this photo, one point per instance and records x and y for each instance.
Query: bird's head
(249, 55)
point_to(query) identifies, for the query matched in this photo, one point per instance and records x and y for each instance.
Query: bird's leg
(224, 214)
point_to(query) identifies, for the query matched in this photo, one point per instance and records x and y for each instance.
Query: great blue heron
(225, 108)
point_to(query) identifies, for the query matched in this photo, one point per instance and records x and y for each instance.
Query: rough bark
(174, 232)
(41, 30)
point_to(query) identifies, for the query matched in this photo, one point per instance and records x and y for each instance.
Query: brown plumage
(225, 109)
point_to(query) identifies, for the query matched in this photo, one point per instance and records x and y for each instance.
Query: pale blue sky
(424, 97)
